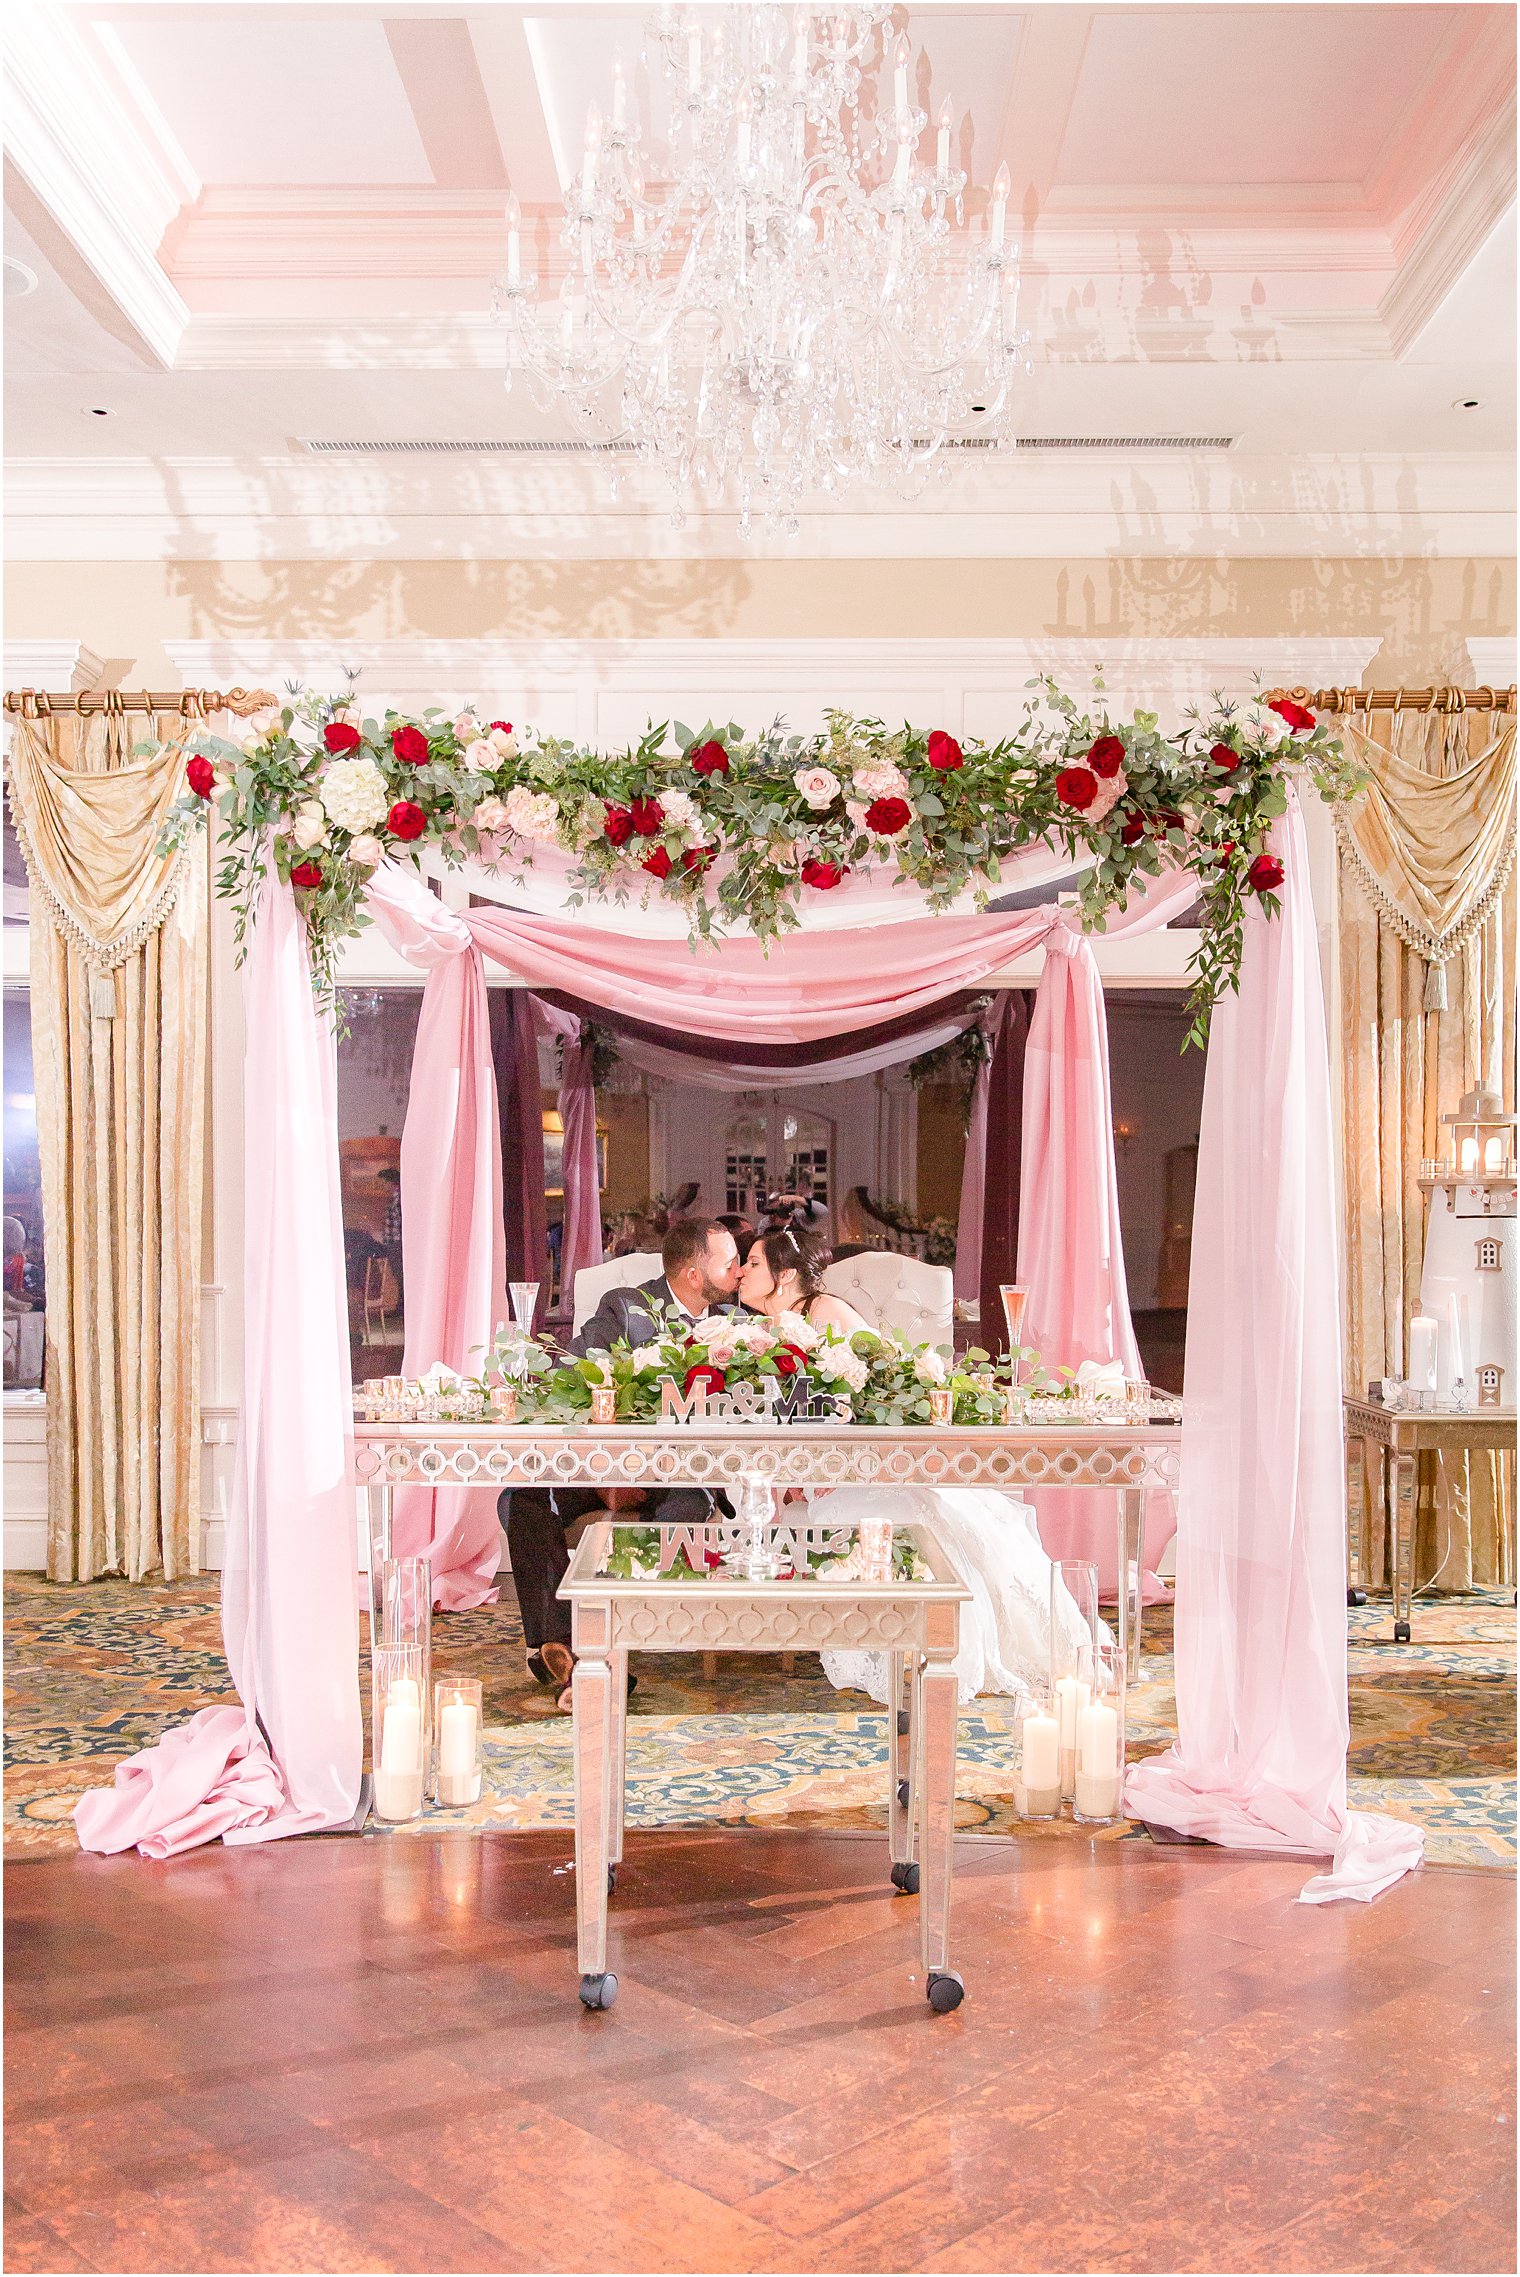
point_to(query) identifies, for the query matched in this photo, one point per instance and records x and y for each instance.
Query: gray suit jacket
(628, 1313)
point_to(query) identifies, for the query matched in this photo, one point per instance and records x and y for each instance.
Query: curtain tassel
(102, 996)
(1435, 988)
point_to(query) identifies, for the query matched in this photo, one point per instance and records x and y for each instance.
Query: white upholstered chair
(593, 1281)
(916, 1301)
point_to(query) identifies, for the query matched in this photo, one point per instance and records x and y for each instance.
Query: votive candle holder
(1015, 1406)
(604, 1403)
(504, 1403)
(941, 1404)
(1037, 1780)
(458, 1740)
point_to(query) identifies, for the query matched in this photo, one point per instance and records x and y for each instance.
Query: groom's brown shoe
(559, 1660)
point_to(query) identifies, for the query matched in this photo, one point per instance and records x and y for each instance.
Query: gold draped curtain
(1427, 930)
(119, 1041)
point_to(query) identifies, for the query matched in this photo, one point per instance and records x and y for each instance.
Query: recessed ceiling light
(99, 411)
(1466, 403)
(19, 279)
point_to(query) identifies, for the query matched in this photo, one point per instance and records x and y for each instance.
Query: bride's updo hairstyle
(804, 1254)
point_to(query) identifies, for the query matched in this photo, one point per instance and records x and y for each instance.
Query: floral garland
(747, 829)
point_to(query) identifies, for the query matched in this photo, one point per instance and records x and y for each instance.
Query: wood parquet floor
(368, 2055)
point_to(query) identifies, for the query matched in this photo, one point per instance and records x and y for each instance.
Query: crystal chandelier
(798, 306)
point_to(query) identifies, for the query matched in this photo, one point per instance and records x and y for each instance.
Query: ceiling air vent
(570, 447)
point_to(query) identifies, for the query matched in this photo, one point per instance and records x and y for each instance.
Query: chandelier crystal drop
(790, 302)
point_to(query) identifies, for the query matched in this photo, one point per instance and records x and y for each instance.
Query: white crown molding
(62, 667)
(1449, 224)
(89, 163)
(1041, 506)
(1493, 659)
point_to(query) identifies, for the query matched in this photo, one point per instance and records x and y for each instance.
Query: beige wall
(125, 611)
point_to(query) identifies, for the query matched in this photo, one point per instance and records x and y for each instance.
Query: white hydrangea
(480, 756)
(883, 782)
(929, 1367)
(844, 1365)
(682, 813)
(490, 816)
(795, 1330)
(310, 825)
(532, 814)
(366, 852)
(354, 795)
(817, 786)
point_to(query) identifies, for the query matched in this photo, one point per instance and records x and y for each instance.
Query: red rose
(306, 874)
(1134, 830)
(1293, 715)
(1223, 756)
(823, 875)
(788, 1358)
(201, 776)
(1077, 786)
(1265, 873)
(887, 816)
(406, 821)
(697, 857)
(341, 735)
(504, 724)
(710, 759)
(648, 817)
(410, 746)
(657, 863)
(1106, 756)
(618, 826)
(710, 1378)
(1226, 850)
(944, 752)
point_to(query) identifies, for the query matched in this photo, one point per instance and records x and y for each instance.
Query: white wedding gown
(994, 1542)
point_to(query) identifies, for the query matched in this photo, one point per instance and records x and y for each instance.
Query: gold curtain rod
(190, 703)
(1400, 699)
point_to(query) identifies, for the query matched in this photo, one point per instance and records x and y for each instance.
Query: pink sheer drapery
(581, 1235)
(1260, 1760)
(453, 1253)
(290, 1758)
(1071, 1248)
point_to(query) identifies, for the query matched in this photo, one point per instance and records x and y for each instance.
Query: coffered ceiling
(252, 226)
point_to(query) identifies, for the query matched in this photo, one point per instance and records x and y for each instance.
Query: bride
(1005, 1629)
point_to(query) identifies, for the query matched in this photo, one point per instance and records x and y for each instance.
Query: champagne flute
(524, 1295)
(1015, 1300)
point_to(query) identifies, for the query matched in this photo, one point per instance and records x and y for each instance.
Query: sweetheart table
(915, 1621)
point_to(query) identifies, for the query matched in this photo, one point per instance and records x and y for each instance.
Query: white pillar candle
(401, 1735)
(458, 1779)
(1072, 1696)
(1098, 1767)
(1422, 1353)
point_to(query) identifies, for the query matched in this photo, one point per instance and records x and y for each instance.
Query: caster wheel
(905, 1880)
(902, 1794)
(611, 1879)
(600, 1992)
(904, 1723)
(1401, 1632)
(1356, 1597)
(945, 1991)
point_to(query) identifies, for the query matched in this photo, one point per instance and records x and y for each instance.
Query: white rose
(720, 1351)
(466, 728)
(502, 740)
(310, 826)
(1265, 727)
(354, 795)
(817, 786)
(532, 814)
(647, 1356)
(366, 852)
(480, 756)
(490, 815)
(929, 1367)
(795, 1330)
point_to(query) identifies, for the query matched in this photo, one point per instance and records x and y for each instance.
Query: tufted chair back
(896, 1292)
(593, 1281)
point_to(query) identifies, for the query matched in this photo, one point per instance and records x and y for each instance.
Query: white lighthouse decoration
(1472, 1254)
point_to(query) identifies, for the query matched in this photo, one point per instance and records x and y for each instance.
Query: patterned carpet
(94, 1673)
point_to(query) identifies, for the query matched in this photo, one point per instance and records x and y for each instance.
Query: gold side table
(684, 1607)
(1404, 1443)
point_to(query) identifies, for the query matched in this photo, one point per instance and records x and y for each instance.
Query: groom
(701, 1271)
